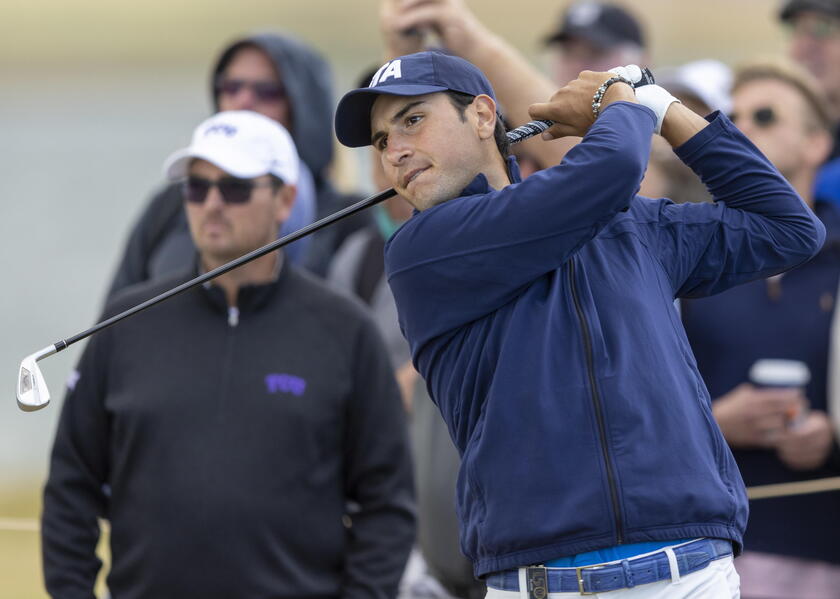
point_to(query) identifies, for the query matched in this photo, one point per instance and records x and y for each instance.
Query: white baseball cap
(709, 80)
(242, 143)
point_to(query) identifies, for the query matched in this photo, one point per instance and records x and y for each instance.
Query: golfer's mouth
(412, 175)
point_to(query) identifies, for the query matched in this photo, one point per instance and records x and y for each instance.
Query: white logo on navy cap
(389, 69)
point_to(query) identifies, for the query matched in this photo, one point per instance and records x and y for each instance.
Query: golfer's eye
(382, 143)
(413, 120)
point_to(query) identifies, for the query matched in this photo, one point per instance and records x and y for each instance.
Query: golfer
(541, 314)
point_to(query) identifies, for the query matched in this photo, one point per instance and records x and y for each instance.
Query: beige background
(94, 95)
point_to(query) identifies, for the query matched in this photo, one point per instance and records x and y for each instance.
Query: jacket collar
(251, 297)
(480, 185)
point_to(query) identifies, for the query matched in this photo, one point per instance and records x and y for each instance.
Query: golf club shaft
(514, 136)
(212, 274)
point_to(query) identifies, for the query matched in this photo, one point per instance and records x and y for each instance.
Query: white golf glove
(658, 99)
(630, 72)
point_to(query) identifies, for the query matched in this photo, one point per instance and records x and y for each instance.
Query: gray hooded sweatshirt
(160, 243)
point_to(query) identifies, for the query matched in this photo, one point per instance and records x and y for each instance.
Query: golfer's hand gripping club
(31, 390)
(639, 78)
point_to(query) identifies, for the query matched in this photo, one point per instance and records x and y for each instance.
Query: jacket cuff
(717, 125)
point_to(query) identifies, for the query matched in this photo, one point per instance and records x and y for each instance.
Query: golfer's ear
(485, 110)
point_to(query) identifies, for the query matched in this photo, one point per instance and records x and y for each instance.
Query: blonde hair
(794, 76)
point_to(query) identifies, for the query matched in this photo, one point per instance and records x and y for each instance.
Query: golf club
(31, 391)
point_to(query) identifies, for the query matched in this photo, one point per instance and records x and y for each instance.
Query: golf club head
(31, 392)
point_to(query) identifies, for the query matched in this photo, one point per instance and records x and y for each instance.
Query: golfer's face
(429, 153)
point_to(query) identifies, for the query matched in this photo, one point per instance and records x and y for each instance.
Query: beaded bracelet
(599, 93)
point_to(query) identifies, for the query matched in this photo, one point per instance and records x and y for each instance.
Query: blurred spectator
(595, 36)
(245, 438)
(791, 542)
(815, 43)
(436, 466)
(282, 78)
(702, 85)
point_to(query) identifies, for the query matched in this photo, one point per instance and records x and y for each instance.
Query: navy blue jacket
(788, 319)
(541, 316)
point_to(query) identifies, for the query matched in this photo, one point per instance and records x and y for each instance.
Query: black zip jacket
(254, 455)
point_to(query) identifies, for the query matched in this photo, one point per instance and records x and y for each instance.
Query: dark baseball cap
(410, 75)
(794, 7)
(605, 25)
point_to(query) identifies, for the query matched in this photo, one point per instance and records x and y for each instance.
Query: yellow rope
(20, 524)
(819, 485)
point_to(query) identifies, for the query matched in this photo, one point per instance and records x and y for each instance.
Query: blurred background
(94, 95)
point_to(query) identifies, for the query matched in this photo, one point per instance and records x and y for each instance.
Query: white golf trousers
(718, 580)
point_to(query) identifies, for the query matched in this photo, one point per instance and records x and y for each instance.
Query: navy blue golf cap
(410, 75)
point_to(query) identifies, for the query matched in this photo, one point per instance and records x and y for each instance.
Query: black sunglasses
(761, 117)
(233, 190)
(265, 91)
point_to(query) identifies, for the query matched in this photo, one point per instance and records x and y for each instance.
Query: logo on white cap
(223, 128)
(245, 144)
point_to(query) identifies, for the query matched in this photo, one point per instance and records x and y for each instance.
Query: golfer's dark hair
(461, 100)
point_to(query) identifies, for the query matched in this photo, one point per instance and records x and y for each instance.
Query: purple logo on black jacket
(285, 383)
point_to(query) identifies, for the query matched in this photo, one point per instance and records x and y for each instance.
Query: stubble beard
(444, 189)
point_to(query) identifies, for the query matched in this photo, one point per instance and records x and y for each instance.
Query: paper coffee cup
(781, 374)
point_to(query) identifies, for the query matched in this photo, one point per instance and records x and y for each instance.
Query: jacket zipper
(596, 402)
(227, 358)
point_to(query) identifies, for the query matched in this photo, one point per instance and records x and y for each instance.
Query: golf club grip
(533, 128)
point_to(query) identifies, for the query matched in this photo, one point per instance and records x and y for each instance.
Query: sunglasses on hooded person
(265, 91)
(232, 189)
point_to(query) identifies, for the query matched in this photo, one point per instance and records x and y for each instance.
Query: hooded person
(284, 79)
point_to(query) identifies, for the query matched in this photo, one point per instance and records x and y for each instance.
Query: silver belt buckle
(579, 575)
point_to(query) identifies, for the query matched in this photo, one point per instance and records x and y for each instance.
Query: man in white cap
(246, 438)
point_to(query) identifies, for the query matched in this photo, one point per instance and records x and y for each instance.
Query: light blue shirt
(611, 554)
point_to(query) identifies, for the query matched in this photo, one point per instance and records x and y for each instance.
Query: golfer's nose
(398, 149)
